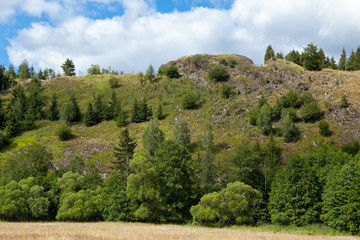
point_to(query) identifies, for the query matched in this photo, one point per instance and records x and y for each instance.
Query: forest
(176, 157)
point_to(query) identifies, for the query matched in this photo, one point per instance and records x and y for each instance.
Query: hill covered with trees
(212, 139)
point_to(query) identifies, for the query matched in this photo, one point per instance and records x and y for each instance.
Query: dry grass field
(129, 231)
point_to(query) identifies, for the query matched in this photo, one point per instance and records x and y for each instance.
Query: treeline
(314, 58)
(163, 183)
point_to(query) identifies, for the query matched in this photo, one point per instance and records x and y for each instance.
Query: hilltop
(228, 116)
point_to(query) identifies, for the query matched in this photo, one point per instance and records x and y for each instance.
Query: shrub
(4, 140)
(223, 62)
(288, 128)
(344, 102)
(63, 132)
(218, 73)
(264, 119)
(190, 100)
(351, 148)
(226, 90)
(172, 72)
(310, 112)
(114, 82)
(324, 128)
(234, 205)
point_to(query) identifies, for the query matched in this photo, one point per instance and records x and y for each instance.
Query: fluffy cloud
(143, 36)
(31, 7)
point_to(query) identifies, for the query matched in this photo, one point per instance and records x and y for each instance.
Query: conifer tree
(23, 72)
(124, 152)
(159, 112)
(90, 118)
(54, 109)
(152, 137)
(76, 108)
(352, 62)
(68, 67)
(99, 109)
(293, 56)
(111, 110)
(269, 54)
(145, 111)
(29, 118)
(121, 118)
(312, 58)
(182, 133)
(135, 112)
(11, 124)
(343, 61)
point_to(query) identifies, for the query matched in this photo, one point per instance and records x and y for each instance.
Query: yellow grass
(101, 231)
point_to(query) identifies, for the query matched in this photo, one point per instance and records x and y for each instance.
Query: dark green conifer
(54, 109)
(90, 118)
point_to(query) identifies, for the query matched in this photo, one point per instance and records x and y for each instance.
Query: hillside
(228, 116)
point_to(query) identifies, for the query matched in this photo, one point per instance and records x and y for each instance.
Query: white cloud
(31, 7)
(142, 36)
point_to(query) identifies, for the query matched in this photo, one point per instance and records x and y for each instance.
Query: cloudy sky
(129, 35)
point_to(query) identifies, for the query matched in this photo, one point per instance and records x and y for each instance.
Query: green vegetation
(218, 73)
(68, 67)
(197, 159)
(236, 204)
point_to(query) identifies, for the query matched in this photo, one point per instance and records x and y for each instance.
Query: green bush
(351, 148)
(218, 73)
(190, 100)
(264, 119)
(4, 139)
(223, 62)
(288, 129)
(63, 132)
(226, 90)
(253, 115)
(311, 112)
(344, 102)
(172, 71)
(114, 82)
(236, 204)
(324, 128)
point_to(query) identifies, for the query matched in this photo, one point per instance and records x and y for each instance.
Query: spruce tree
(352, 61)
(90, 117)
(124, 152)
(182, 133)
(75, 108)
(68, 67)
(312, 59)
(159, 112)
(111, 110)
(99, 109)
(29, 118)
(135, 113)
(54, 109)
(145, 111)
(343, 61)
(121, 118)
(269, 54)
(11, 124)
(357, 59)
(152, 137)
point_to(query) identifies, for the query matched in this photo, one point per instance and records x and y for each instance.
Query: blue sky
(129, 35)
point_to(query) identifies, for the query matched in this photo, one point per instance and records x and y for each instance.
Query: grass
(132, 231)
(228, 116)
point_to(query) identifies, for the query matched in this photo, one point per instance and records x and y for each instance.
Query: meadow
(129, 231)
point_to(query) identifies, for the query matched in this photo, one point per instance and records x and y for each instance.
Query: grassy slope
(229, 116)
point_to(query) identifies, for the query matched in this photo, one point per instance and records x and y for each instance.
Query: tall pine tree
(124, 152)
